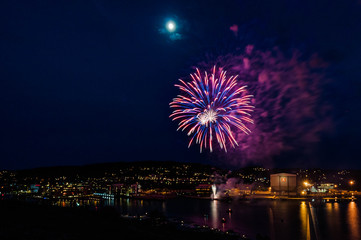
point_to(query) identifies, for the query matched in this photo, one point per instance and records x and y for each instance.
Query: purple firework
(212, 105)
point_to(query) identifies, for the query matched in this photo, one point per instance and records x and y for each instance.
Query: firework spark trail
(212, 105)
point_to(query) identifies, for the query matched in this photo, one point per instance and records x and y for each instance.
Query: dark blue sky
(90, 81)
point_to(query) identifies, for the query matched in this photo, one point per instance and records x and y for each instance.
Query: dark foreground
(29, 221)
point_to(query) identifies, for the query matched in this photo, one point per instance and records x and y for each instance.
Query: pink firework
(212, 105)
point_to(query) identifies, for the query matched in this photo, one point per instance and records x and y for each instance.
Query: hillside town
(169, 180)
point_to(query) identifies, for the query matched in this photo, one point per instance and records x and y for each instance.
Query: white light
(207, 116)
(214, 190)
(171, 26)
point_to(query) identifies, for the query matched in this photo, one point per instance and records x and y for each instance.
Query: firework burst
(212, 105)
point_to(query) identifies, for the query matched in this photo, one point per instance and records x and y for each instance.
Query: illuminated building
(34, 188)
(325, 187)
(204, 189)
(284, 183)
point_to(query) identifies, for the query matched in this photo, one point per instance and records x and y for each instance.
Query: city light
(352, 182)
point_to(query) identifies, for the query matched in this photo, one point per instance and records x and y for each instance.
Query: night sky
(86, 82)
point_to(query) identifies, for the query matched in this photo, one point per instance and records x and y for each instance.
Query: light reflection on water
(279, 220)
(271, 223)
(214, 214)
(305, 221)
(332, 212)
(353, 220)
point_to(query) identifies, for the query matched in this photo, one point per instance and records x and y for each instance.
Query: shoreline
(164, 198)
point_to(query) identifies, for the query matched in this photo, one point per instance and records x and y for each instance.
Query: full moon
(171, 26)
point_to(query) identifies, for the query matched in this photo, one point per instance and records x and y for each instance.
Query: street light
(352, 182)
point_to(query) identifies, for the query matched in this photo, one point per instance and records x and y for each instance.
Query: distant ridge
(99, 169)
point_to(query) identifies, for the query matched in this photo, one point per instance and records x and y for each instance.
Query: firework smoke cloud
(288, 112)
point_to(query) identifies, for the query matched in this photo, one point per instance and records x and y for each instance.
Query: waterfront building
(284, 184)
(204, 190)
(323, 188)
